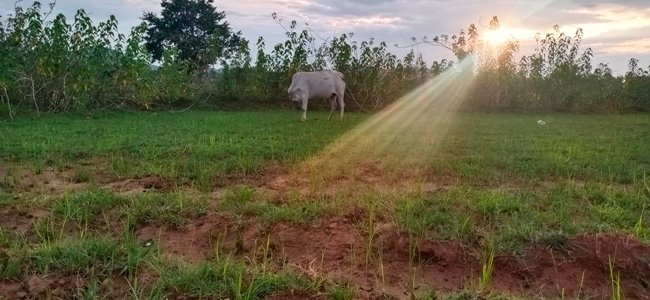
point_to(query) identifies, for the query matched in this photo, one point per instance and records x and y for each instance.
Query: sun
(498, 36)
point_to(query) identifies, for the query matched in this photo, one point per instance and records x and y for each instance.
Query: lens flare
(403, 135)
(497, 37)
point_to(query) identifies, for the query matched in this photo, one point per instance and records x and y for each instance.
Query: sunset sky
(616, 30)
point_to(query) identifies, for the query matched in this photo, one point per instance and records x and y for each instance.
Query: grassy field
(230, 205)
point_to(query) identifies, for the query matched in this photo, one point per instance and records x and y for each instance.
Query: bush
(55, 66)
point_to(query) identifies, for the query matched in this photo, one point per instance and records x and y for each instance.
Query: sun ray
(402, 135)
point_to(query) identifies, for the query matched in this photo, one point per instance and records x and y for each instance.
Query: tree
(637, 86)
(195, 28)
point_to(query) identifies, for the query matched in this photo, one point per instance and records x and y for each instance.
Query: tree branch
(6, 96)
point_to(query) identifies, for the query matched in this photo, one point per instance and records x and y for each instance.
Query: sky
(615, 30)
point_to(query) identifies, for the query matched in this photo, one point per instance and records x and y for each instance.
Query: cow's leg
(304, 109)
(332, 99)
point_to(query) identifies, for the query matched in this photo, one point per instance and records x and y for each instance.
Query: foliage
(53, 65)
(56, 66)
(559, 75)
(636, 86)
(195, 28)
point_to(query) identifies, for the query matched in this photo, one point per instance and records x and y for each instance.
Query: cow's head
(296, 98)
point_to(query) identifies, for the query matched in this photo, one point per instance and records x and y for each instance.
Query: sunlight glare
(498, 36)
(403, 136)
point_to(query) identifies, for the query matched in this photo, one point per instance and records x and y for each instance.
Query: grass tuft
(173, 209)
(84, 207)
(81, 255)
(230, 279)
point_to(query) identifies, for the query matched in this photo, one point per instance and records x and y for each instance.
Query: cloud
(625, 48)
(151, 4)
(615, 29)
(612, 28)
(611, 19)
(352, 7)
(374, 21)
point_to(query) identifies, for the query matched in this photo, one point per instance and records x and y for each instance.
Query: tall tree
(195, 28)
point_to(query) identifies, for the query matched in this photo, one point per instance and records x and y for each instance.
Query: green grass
(201, 145)
(192, 145)
(341, 292)
(81, 255)
(82, 175)
(510, 219)
(173, 209)
(505, 182)
(418, 215)
(84, 207)
(6, 198)
(242, 201)
(569, 146)
(230, 279)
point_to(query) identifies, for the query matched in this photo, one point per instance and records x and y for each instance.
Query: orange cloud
(611, 20)
(628, 47)
(349, 22)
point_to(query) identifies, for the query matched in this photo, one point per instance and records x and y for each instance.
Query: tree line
(52, 64)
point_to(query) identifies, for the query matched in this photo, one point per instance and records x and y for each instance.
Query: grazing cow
(318, 85)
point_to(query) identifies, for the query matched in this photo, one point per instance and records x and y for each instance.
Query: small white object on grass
(540, 122)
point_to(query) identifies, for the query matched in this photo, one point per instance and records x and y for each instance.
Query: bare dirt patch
(288, 296)
(55, 183)
(281, 181)
(40, 287)
(134, 186)
(64, 286)
(19, 220)
(25, 179)
(396, 266)
(336, 248)
(362, 177)
(203, 238)
(48, 182)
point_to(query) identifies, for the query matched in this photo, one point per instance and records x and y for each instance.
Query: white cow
(318, 85)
